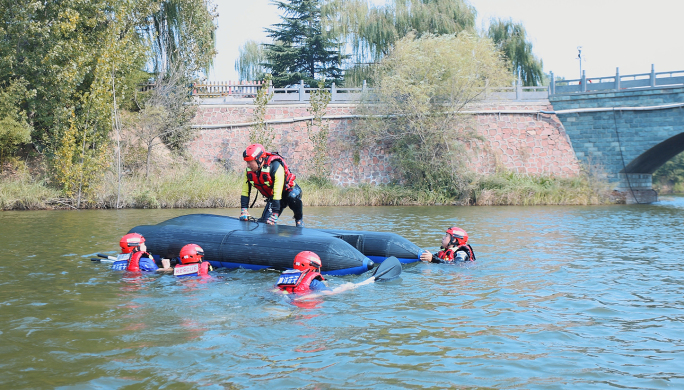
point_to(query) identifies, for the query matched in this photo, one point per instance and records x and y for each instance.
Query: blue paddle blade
(388, 270)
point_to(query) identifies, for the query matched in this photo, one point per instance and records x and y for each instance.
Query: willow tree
(66, 56)
(511, 39)
(249, 64)
(372, 31)
(302, 49)
(421, 86)
(71, 58)
(182, 32)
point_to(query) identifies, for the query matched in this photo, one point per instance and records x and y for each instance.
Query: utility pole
(579, 57)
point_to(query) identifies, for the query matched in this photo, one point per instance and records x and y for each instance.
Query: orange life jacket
(193, 269)
(134, 261)
(297, 282)
(448, 254)
(263, 179)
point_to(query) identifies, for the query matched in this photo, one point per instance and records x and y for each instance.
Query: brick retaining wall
(524, 143)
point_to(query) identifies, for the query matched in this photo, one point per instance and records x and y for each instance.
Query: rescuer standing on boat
(269, 174)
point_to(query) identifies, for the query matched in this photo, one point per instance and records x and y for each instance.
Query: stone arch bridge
(624, 125)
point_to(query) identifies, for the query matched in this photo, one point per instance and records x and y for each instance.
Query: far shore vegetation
(187, 185)
(96, 102)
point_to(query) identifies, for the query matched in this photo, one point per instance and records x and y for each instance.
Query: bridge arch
(653, 158)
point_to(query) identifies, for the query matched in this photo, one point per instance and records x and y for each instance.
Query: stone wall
(534, 144)
(523, 142)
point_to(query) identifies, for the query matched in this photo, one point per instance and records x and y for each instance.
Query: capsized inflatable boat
(229, 242)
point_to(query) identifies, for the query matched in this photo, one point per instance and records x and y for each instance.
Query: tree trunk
(149, 154)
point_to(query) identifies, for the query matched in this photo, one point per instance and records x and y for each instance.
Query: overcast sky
(628, 34)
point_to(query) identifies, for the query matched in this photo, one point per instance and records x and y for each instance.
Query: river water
(560, 297)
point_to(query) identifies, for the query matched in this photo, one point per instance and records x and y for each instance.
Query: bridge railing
(211, 89)
(300, 93)
(518, 92)
(244, 93)
(617, 83)
(240, 89)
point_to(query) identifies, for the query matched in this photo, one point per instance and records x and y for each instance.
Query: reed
(184, 186)
(20, 192)
(177, 187)
(523, 190)
(367, 195)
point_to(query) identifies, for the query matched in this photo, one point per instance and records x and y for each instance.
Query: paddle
(105, 258)
(388, 270)
(99, 260)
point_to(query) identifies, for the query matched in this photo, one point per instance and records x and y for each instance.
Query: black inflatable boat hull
(230, 243)
(378, 246)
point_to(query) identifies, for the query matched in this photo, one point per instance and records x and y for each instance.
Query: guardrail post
(584, 81)
(301, 90)
(552, 85)
(363, 87)
(518, 88)
(333, 92)
(617, 79)
(653, 80)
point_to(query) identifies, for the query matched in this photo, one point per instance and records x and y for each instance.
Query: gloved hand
(244, 215)
(272, 219)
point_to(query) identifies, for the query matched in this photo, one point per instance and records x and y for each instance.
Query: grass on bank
(178, 187)
(21, 192)
(509, 189)
(193, 187)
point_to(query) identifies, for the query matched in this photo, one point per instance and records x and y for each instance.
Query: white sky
(629, 34)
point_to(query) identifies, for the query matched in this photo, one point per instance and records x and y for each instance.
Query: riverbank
(192, 187)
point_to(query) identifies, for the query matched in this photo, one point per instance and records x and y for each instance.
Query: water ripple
(582, 297)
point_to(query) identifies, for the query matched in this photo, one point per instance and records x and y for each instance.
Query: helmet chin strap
(453, 241)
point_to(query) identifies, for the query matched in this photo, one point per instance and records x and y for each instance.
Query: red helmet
(458, 235)
(191, 253)
(130, 241)
(307, 260)
(253, 152)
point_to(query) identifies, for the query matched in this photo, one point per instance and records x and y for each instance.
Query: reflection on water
(583, 297)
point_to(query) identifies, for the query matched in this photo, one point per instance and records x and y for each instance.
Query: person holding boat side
(306, 282)
(454, 248)
(134, 256)
(305, 277)
(268, 173)
(192, 262)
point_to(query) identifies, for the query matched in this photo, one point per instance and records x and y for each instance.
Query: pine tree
(301, 49)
